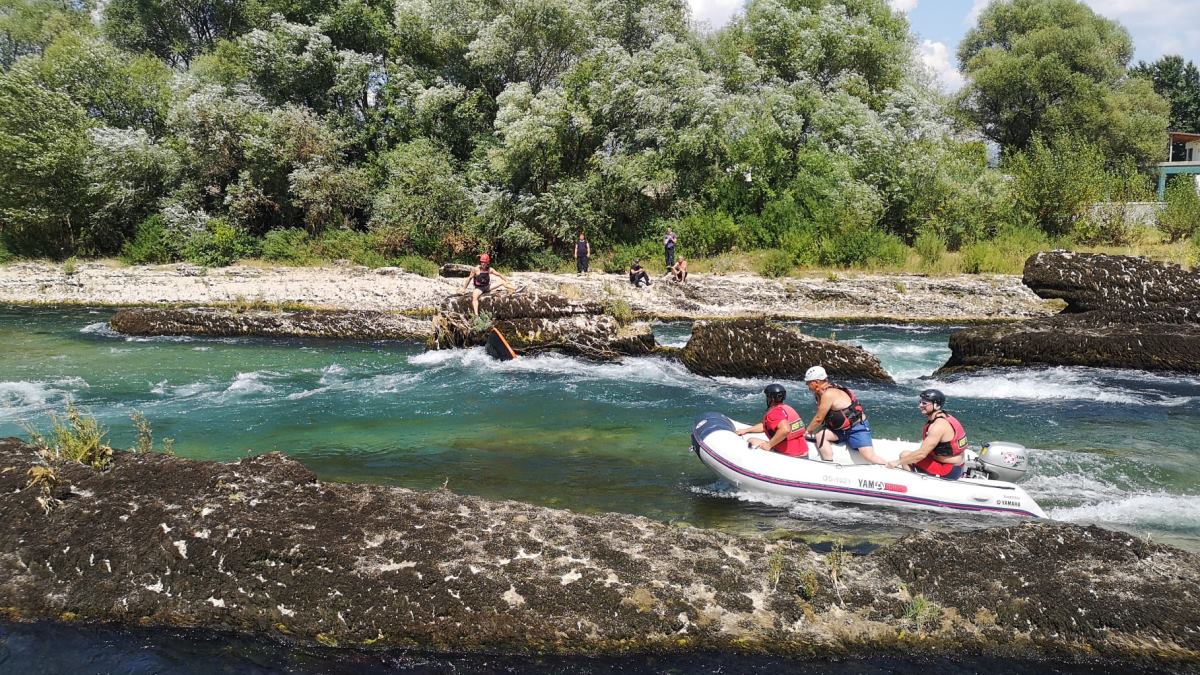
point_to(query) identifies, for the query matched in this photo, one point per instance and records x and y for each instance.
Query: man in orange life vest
(841, 415)
(943, 441)
(781, 424)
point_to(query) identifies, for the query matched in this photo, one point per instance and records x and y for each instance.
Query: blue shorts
(857, 436)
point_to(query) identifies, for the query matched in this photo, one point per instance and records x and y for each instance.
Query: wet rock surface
(1149, 339)
(1094, 281)
(534, 322)
(750, 348)
(1122, 312)
(219, 322)
(261, 546)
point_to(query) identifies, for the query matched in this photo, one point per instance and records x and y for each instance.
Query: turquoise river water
(1115, 448)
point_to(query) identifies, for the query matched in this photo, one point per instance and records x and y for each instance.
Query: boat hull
(848, 478)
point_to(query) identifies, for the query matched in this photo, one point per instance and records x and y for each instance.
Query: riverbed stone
(225, 322)
(1157, 339)
(1095, 281)
(263, 546)
(758, 348)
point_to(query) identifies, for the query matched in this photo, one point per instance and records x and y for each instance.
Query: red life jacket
(952, 448)
(841, 420)
(795, 445)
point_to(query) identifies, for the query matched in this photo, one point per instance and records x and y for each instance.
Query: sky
(1158, 27)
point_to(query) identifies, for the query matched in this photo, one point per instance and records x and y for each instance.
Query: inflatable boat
(987, 485)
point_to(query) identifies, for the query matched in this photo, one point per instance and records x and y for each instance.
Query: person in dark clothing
(583, 251)
(669, 247)
(638, 274)
(481, 278)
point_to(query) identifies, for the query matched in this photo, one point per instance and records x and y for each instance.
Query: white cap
(815, 373)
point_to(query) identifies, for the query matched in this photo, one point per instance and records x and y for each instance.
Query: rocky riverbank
(261, 546)
(846, 296)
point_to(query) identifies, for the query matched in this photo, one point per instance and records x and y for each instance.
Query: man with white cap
(839, 417)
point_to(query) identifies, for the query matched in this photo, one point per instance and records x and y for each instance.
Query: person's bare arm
(937, 433)
(781, 433)
(819, 417)
(756, 429)
(501, 277)
(467, 283)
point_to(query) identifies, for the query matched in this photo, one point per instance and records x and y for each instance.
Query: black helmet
(934, 396)
(775, 391)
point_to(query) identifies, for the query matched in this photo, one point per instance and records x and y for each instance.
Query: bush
(148, 246)
(703, 234)
(649, 251)
(859, 248)
(5, 254)
(1006, 254)
(931, 246)
(542, 260)
(220, 244)
(777, 263)
(287, 246)
(75, 437)
(802, 244)
(358, 247)
(416, 265)
(1181, 216)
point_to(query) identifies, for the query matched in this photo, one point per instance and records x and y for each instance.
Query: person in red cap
(481, 278)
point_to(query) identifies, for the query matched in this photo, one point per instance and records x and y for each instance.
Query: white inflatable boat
(986, 486)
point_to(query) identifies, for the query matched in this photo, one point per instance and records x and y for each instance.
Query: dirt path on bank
(850, 295)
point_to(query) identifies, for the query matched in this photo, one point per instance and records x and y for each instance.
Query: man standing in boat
(481, 277)
(839, 417)
(943, 441)
(781, 424)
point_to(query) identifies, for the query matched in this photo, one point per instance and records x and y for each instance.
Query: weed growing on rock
(809, 584)
(832, 277)
(836, 561)
(921, 612)
(619, 310)
(43, 478)
(145, 435)
(481, 321)
(775, 568)
(70, 266)
(900, 287)
(75, 437)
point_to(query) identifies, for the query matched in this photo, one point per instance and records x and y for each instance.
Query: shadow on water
(46, 648)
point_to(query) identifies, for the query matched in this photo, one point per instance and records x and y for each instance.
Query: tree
(1179, 83)
(1039, 68)
(28, 26)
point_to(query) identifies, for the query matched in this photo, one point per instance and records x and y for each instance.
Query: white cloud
(716, 13)
(977, 8)
(903, 6)
(1157, 28)
(936, 57)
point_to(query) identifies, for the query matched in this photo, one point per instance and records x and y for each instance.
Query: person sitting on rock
(943, 441)
(839, 418)
(781, 424)
(679, 271)
(638, 274)
(481, 277)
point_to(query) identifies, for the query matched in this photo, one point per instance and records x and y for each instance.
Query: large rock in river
(1164, 338)
(262, 546)
(1094, 281)
(752, 347)
(224, 322)
(534, 322)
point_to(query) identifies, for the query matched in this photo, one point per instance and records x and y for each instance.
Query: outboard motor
(1002, 460)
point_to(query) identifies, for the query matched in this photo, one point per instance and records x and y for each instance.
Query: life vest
(483, 278)
(795, 445)
(842, 420)
(953, 447)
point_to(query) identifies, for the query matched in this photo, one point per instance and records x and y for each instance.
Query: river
(1110, 447)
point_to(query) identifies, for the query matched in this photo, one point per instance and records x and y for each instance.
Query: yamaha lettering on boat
(987, 486)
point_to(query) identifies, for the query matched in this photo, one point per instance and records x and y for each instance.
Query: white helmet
(815, 373)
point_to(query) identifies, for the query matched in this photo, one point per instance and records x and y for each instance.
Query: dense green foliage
(377, 131)
(1181, 215)
(1179, 84)
(1042, 68)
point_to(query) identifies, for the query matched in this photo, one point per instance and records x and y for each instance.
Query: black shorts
(484, 289)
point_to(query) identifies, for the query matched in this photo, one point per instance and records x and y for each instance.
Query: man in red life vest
(943, 441)
(781, 424)
(481, 277)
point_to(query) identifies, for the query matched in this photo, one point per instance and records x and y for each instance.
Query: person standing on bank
(669, 242)
(781, 424)
(839, 417)
(481, 277)
(943, 441)
(583, 251)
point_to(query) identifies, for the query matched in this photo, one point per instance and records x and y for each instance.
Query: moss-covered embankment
(262, 546)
